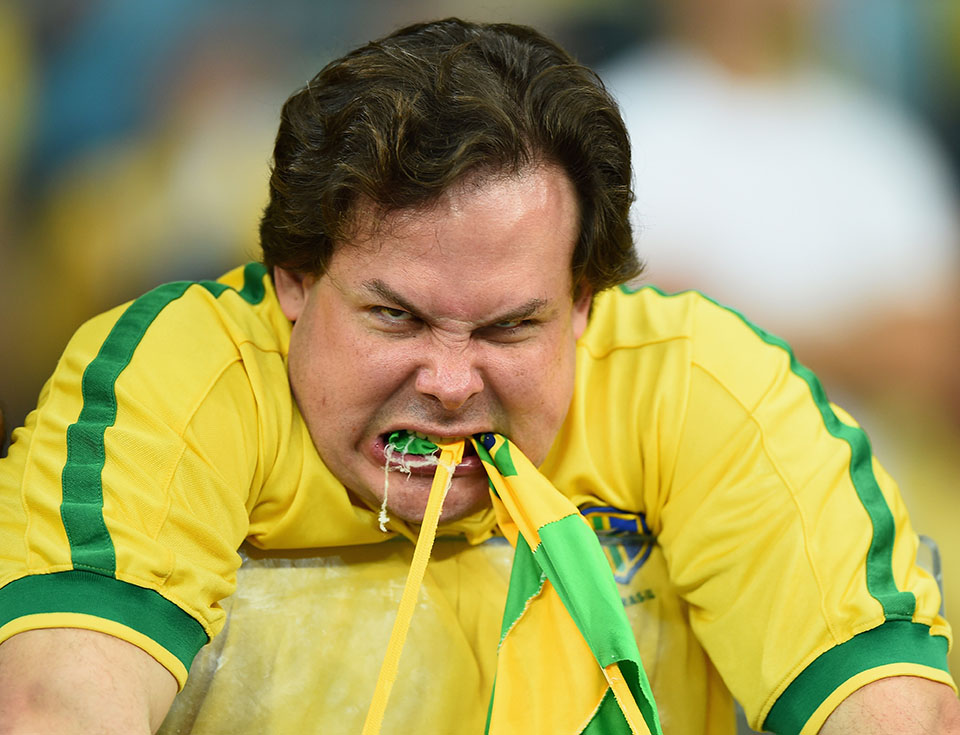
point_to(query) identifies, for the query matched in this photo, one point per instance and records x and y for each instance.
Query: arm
(901, 705)
(805, 507)
(72, 681)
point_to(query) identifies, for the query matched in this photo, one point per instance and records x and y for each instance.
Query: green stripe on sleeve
(896, 641)
(897, 604)
(81, 510)
(88, 593)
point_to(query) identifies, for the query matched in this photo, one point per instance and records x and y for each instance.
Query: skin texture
(451, 320)
(88, 683)
(900, 704)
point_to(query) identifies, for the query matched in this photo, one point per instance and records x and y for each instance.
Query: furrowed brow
(524, 311)
(383, 291)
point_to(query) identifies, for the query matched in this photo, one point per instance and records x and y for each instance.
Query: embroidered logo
(624, 536)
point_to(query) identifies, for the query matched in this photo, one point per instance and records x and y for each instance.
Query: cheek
(344, 369)
(536, 394)
(540, 379)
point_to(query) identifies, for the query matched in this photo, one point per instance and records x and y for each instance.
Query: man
(449, 209)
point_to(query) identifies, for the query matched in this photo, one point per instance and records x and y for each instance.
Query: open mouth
(412, 442)
(413, 452)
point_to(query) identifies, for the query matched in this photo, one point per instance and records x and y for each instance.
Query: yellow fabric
(862, 679)
(680, 412)
(89, 622)
(450, 456)
(563, 689)
(548, 678)
(625, 699)
(539, 505)
(290, 608)
(744, 488)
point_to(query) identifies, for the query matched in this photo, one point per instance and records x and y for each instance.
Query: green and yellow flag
(568, 661)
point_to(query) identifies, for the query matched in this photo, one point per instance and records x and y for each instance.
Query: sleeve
(124, 498)
(789, 541)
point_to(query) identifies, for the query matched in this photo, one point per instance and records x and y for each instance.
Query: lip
(469, 464)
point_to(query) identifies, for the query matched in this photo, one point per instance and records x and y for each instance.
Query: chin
(466, 496)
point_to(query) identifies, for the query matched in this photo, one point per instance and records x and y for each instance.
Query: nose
(450, 375)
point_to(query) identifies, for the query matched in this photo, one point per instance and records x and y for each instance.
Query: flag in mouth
(403, 441)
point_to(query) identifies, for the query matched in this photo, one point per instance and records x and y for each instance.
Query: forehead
(534, 210)
(516, 229)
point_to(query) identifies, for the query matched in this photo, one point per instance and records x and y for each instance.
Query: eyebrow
(524, 311)
(386, 293)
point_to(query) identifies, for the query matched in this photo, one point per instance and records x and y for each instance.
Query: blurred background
(795, 159)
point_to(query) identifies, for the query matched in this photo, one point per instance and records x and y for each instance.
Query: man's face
(448, 320)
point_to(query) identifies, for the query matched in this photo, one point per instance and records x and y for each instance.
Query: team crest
(624, 536)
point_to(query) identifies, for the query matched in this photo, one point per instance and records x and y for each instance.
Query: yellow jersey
(767, 553)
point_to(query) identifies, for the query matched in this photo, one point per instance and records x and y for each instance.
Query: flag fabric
(568, 660)
(450, 455)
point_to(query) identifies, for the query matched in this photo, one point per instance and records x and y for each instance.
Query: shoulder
(207, 321)
(653, 368)
(163, 353)
(708, 336)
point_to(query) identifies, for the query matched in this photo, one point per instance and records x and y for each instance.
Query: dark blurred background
(135, 141)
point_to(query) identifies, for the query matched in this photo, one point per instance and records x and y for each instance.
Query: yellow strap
(450, 456)
(638, 726)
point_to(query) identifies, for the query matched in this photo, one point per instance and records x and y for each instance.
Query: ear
(292, 290)
(581, 311)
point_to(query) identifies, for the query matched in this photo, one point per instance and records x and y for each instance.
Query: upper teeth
(429, 437)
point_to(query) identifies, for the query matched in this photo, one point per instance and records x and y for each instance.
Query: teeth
(411, 442)
(431, 437)
(416, 442)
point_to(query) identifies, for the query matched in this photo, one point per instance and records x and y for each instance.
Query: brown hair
(400, 120)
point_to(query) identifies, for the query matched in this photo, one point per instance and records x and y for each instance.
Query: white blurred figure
(770, 184)
(822, 213)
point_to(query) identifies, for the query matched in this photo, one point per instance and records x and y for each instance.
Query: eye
(509, 330)
(389, 314)
(391, 320)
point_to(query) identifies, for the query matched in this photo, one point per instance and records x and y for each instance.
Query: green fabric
(504, 462)
(608, 719)
(94, 594)
(253, 289)
(493, 692)
(571, 557)
(405, 442)
(568, 553)
(896, 641)
(526, 579)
